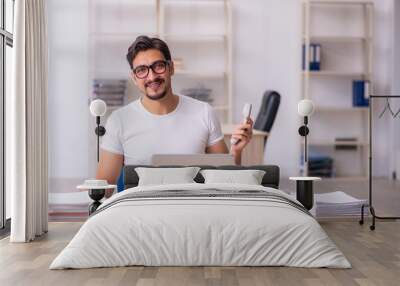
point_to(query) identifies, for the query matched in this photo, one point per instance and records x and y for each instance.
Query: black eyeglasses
(157, 67)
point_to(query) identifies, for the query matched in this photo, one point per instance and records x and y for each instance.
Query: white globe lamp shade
(305, 107)
(98, 107)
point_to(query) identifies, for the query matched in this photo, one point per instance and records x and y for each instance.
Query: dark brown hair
(144, 43)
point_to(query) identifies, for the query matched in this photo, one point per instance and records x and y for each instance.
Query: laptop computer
(192, 159)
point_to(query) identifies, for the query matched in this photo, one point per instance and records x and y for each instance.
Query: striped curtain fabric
(27, 123)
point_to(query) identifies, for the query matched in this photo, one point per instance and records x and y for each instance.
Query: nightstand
(96, 190)
(304, 190)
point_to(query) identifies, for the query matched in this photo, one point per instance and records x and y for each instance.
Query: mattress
(201, 225)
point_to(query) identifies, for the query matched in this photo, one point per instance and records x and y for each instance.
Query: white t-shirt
(138, 134)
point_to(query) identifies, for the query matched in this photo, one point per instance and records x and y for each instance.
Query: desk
(253, 153)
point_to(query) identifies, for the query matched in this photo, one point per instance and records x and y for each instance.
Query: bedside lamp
(304, 184)
(305, 108)
(97, 188)
(98, 108)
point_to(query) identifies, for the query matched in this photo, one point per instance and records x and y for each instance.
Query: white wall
(383, 57)
(68, 88)
(267, 55)
(396, 87)
(396, 61)
(396, 49)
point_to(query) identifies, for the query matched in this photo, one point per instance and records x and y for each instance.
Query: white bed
(188, 230)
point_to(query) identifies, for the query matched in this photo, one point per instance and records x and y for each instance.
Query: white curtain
(27, 123)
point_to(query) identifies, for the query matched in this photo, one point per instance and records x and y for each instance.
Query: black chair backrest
(270, 179)
(268, 110)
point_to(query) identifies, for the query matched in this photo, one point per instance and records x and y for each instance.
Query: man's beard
(157, 96)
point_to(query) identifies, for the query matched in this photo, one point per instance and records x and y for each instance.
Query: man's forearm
(238, 157)
(109, 168)
(220, 147)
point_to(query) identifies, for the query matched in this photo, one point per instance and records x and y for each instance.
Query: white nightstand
(96, 191)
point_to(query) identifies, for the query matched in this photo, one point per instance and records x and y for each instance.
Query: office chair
(268, 110)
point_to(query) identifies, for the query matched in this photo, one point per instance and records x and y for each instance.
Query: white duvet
(200, 231)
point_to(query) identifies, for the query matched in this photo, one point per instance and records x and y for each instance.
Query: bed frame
(270, 179)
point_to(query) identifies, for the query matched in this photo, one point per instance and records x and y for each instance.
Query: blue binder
(315, 64)
(360, 93)
(314, 57)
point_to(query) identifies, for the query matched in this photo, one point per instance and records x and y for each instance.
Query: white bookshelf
(338, 39)
(342, 2)
(195, 38)
(344, 29)
(333, 109)
(199, 34)
(338, 73)
(331, 143)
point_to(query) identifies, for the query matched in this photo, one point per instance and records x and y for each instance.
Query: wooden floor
(374, 255)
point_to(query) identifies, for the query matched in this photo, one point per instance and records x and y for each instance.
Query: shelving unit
(339, 143)
(340, 109)
(198, 32)
(344, 29)
(331, 73)
(338, 39)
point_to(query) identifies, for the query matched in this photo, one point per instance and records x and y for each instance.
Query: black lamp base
(305, 193)
(100, 130)
(96, 195)
(303, 130)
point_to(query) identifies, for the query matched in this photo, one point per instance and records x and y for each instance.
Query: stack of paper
(110, 90)
(200, 93)
(337, 204)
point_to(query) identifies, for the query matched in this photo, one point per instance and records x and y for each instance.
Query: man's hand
(109, 193)
(243, 132)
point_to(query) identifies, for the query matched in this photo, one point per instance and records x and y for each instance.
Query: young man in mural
(161, 121)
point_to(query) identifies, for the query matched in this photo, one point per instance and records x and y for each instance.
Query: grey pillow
(162, 176)
(248, 177)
